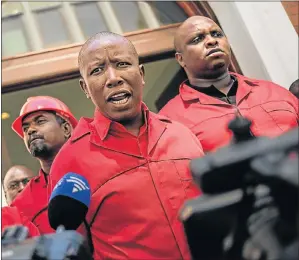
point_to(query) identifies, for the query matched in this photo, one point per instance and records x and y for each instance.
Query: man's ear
(142, 73)
(67, 129)
(84, 87)
(179, 59)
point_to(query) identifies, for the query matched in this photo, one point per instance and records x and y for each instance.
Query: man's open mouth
(120, 98)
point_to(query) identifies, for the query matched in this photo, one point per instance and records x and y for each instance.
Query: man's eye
(216, 34)
(97, 70)
(25, 129)
(41, 121)
(198, 39)
(13, 186)
(123, 64)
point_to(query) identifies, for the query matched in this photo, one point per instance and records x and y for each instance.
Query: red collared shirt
(272, 109)
(33, 202)
(11, 216)
(138, 184)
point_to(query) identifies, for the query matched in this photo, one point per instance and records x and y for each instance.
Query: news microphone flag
(74, 186)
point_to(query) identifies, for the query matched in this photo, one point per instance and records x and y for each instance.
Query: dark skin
(194, 40)
(44, 136)
(15, 181)
(110, 67)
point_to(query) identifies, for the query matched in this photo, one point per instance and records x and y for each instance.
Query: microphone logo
(79, 185)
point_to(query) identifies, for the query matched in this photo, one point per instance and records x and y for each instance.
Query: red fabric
(138, 185)
(11, 216)
(272, 109)
(33, 202)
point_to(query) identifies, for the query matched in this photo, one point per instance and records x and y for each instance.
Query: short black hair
(59, 119)
(99, 36)
(295, 84)
(294, 88)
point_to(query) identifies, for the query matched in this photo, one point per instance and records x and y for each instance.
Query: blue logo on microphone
(74, 186)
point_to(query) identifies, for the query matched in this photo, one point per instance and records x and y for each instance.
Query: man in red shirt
(15, 180)
(136, 162)
(45, 123)
(11, 216)
(212, 96)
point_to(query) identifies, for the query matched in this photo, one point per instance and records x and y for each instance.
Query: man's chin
(125, 115)
(39, 151)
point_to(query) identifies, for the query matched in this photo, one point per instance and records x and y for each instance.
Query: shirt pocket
(183, 170)
(282, 113)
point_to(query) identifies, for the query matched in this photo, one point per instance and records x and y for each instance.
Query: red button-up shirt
(138, 184)
(33, 202)
(11, 216)
(272, 109)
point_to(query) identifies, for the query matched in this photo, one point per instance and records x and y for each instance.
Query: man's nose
(21, 187)
(113, 79)
(211, 41)
(31, 130)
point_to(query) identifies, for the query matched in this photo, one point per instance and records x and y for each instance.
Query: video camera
(62, 245)
(249, 206)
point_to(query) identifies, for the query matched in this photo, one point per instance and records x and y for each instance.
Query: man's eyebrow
(34, 119)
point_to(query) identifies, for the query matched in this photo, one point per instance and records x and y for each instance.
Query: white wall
(263, 39)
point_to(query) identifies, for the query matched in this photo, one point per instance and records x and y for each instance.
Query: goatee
(40, 150)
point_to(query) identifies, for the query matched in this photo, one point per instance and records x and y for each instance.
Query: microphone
(69, 202)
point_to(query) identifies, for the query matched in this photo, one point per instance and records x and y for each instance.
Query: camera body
(249, 206)
(62, 245)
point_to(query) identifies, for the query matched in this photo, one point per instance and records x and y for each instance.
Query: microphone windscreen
(69, 202)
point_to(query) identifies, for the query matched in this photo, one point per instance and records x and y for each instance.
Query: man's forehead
(35, 114)
(198, 24)
(15, 175)
(108, 43)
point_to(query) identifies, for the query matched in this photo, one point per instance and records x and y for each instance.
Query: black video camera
(249, 206)
(62, 245)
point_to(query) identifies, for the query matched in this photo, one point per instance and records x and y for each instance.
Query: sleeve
(11, 216)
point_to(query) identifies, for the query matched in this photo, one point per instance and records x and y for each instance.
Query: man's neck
(46, 165)
(223, 83)
(133, 126)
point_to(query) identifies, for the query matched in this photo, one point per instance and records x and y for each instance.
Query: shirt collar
(103, 124)
(188, 93)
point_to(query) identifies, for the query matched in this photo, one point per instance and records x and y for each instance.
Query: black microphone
(69, 203)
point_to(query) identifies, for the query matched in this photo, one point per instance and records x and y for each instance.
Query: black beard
(40, 150)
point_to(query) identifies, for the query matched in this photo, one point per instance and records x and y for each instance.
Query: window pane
(168, 12)
(129, 16)
(42, 5)
(11, 8)
(52, 27)
(90, 18)
(13, 36)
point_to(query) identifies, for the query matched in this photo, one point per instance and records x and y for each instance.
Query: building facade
(41, 40)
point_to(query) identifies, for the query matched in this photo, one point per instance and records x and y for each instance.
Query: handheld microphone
(69, 202)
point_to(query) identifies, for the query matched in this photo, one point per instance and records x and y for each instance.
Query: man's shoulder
(82, 129)
(171, 107)
(258, 82)
(173, 126)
